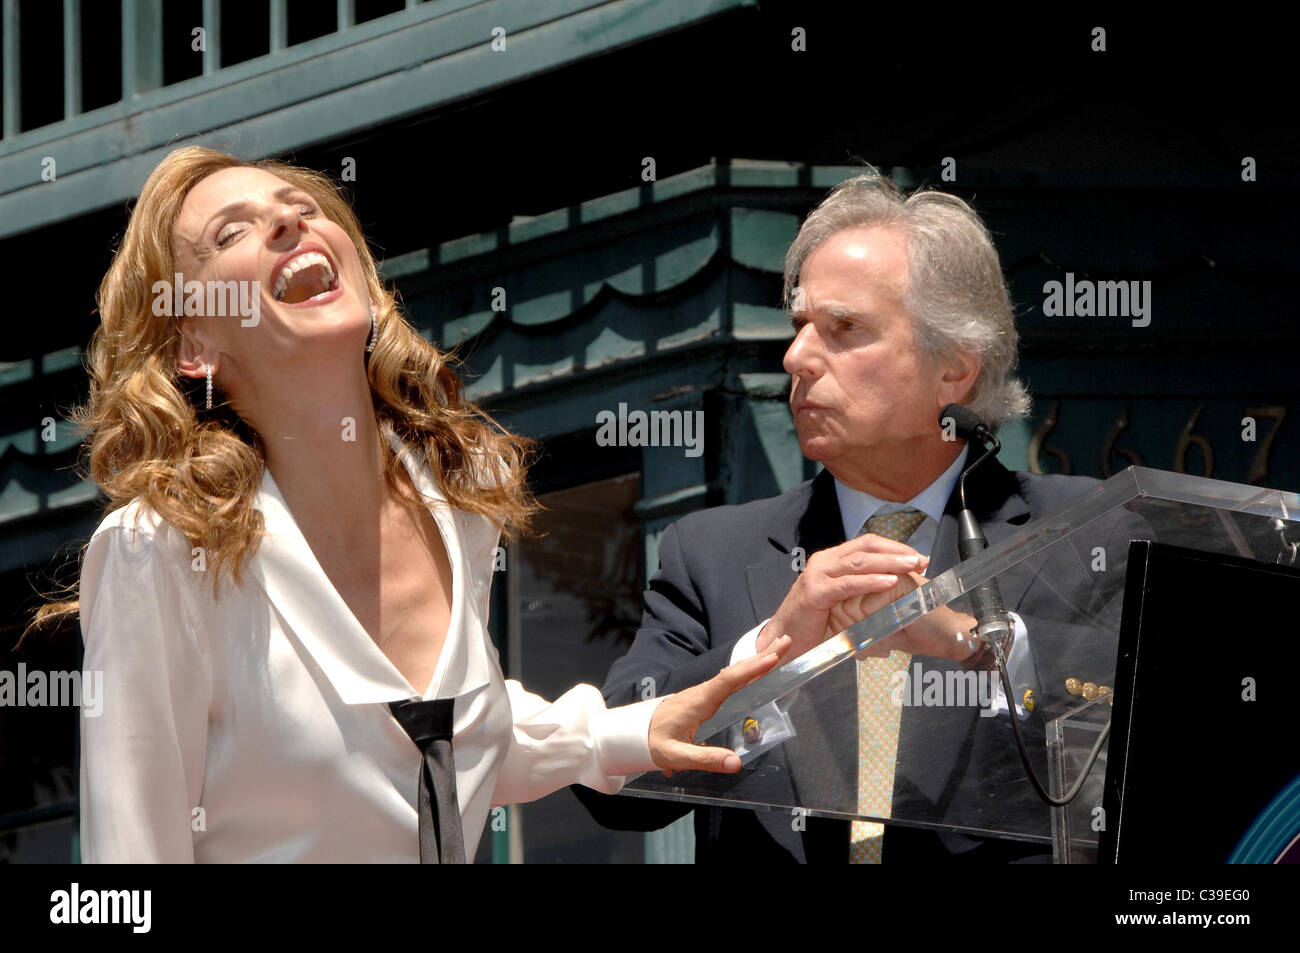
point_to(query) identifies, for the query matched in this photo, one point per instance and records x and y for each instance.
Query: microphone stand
(994, 627)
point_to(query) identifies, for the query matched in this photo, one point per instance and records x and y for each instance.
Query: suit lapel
(810, 523)
(934, 743)
(993, 493)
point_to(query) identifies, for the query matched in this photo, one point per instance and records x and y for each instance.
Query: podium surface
(957, 766)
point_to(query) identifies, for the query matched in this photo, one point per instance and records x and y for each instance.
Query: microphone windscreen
(966, 422)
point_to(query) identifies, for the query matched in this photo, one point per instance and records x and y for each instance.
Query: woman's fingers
(735, 677)
(699, 758)
(676, 720)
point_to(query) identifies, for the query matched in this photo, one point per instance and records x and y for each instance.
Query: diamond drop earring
(374, 331)
(209, 400)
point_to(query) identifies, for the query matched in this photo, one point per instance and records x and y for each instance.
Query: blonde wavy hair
(145, 438)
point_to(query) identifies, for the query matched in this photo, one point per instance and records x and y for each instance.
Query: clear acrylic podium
(958, 767)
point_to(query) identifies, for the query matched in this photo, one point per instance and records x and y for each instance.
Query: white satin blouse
(255, 727)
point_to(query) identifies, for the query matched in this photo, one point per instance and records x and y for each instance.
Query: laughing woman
(288, 597)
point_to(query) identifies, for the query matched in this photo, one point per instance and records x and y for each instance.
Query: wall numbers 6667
(1251, 433)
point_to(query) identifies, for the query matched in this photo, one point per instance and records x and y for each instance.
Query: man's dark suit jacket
(724, 570)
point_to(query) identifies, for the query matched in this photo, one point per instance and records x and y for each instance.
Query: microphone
(994, 627)
(966, 422)
(992, 621)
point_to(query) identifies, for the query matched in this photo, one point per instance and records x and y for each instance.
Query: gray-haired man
(899, 307)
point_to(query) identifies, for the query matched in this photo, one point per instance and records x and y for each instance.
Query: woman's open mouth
(306, 279)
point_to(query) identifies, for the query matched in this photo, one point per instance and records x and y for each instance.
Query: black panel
(1191, 762)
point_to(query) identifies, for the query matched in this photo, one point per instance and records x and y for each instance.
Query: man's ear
(961, 371)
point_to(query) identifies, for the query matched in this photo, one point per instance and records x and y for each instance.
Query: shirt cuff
(747, 645)
(623, 742)
(1019, 668)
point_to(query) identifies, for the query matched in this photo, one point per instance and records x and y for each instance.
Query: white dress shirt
(255, 726)
(856, 507)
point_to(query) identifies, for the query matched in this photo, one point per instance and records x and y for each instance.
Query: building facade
(557, 192)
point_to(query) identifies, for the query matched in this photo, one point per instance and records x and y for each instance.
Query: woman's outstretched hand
(679, 716)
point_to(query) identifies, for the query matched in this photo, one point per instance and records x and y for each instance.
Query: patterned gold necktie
(878, 717)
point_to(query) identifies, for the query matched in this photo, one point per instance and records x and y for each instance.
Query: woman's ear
(190, 353)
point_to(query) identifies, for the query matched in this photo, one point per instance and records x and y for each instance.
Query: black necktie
(429, 723)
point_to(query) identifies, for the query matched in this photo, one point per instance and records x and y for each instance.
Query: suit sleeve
(143, 751)
(673, 649)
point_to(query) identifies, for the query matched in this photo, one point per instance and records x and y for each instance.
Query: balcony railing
(311, 83)
(141, 48)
